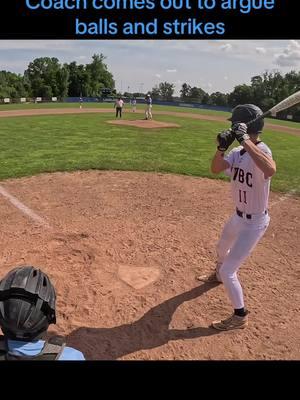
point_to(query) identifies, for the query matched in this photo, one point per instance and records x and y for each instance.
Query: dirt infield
(58, 111)
(123, 250)
(145, 124)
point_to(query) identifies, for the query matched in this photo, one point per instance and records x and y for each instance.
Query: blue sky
(214, 65)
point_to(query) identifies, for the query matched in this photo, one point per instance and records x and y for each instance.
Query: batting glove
(225, 139)
(240, 131)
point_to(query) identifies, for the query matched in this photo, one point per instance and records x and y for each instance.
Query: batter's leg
(227, 238)
(244, 244)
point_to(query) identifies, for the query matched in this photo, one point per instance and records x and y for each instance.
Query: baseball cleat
(212, 278)
(233, 322)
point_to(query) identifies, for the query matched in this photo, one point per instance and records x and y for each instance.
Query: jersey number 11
(243, 196)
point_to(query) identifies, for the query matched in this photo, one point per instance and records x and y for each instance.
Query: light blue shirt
(34, 348)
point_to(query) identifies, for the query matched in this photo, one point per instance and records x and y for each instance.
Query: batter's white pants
(238, 239)
(148, 112)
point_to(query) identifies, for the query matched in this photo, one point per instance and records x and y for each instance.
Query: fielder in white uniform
(133, 104)
(250, 167)
(148, 111)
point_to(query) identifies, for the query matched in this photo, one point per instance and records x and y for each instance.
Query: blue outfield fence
(84, 99)
(142, 101)
(191, 105)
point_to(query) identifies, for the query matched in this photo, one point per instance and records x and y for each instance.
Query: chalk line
(284, 197)
(24, 209)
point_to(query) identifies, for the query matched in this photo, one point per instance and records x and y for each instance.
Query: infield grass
(33, 145)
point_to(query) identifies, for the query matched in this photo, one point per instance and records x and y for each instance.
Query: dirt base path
(145, 124)
(124, 250)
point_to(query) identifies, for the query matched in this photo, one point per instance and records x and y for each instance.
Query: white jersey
(119, 103)
(250, 189)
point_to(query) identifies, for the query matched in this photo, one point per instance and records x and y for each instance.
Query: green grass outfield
(32, 145)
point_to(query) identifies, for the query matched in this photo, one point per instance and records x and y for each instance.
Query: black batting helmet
(245, 113)
(27, 303)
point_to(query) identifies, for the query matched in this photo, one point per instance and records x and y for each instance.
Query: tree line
(265, 91)
(47, 77)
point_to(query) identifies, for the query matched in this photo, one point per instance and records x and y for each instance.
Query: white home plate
(138, 277)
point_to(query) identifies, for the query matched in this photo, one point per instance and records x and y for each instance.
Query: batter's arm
(264, 162)
(218, 163)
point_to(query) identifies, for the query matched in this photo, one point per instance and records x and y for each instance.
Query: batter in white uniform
(250, 167)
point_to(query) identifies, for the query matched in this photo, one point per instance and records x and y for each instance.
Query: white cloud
(290, 57)
(294, 43)
(36, 45)
(260, 50)
(226, 47)
(197, 61)
(288, 60)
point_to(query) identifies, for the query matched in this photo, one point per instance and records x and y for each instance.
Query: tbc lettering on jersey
(240, 173)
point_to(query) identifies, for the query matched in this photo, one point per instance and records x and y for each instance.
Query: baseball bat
(283, 105)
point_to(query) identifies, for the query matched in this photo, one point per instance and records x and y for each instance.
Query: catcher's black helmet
(245, 113)
(27, 303)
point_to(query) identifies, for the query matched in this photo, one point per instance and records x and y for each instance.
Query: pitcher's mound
(142, 123)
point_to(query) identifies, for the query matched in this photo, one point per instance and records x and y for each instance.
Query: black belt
(248, 216)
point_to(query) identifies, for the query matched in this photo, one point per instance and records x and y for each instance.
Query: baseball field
(124, 218)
